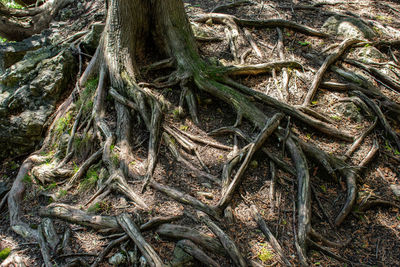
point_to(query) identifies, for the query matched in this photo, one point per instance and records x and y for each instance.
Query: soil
(373, 235)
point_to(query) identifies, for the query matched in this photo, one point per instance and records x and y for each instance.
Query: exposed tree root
(134, 233)
(226, 241)
(181, 232)
(118, 76)
(271, 238)
(304, 199)
(180, 158)
(270, 126)
(328, 61)
(193, 250)
(271, 23)
(40, 18)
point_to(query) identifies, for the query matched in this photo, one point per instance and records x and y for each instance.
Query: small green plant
(91, 84)
(27, 179)
(265, 254)
(184, 127)
(336, 118)
(51, 186)
(13, 165)
(314, 102)
(11, 4)
(76, 168)
(115, 159)
(384, 18)
(304, 43)
(90, 180)
(254, 164)
(323, 187)
(176, 112)
(387, 146)
(4, 253)
(64, 123)
(62, 193)
(98, 207)
(95, 208)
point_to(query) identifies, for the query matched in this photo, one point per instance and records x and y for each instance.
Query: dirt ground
(373, 236)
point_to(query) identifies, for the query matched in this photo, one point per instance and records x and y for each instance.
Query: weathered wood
(271, 23)
(268, 129)
(260, 68)
(73, 215)
(193, 250)
(44, 249)
(50, 233)
(303, 198)
(184, 198)
(328, 61)
(226, 241)
(133, 231)
(270, 237)
(292, 111)
(382, 119)
(182, 232)
(157, 221)
(174, 151)
(107, 250)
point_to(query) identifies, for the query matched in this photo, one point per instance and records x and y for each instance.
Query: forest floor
(374, 234)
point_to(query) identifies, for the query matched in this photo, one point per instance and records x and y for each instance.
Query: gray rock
(349, 110)
(181, 258)
(348, 27)
(117, 259)
(29, 91)
(91, 40)
(396, 189)
(369, 54)
(65, 14)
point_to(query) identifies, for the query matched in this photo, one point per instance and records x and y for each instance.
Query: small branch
(83, 168)
(172, 148)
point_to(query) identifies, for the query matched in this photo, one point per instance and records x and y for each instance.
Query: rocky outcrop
(348, 27)
(29, 92)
